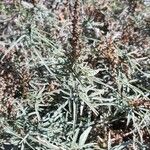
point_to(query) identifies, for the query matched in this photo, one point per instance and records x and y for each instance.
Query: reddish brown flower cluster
(13, 84)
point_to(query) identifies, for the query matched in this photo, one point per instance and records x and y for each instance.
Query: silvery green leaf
(84, 136)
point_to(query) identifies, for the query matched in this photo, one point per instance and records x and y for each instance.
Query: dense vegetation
(75, 74)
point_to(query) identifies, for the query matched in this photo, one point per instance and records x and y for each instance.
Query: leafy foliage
(75, 75)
